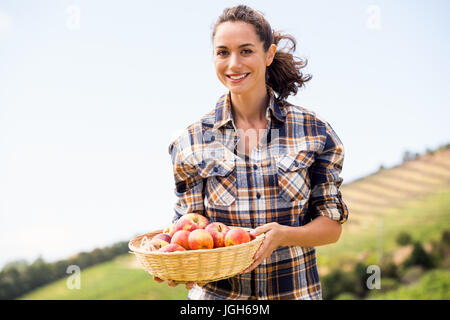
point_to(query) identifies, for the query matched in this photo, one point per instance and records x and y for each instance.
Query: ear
(271, 54)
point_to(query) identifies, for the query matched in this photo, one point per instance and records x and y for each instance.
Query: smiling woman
(283, 180)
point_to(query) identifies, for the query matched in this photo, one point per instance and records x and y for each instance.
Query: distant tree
(19, 265)
(441, 248)
(419, 257)
(338, 282)
(404, 238)
(39, 273)
(390, 269)
(445, 239)
(408, 156)
(360, 272)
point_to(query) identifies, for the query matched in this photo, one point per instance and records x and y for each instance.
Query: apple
(163, 236)
(252, 235)
(172, 248)
(218, 231)
(191, 221)
(236, 236)
(181, 237)
(200, 239)
(158, 243)
(170, 230)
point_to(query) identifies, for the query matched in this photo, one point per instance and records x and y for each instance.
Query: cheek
(220, 69)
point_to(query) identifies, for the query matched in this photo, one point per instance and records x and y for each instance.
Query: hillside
(393, 188)
(412, 197)
(120, 279)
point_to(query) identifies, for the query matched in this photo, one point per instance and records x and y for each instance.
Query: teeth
(237, 78)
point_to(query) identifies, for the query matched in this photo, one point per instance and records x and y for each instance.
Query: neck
(250, 108)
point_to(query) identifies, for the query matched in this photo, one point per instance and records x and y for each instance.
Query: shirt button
(255, 167)
(258, 195)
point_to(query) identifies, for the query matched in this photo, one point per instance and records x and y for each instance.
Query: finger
(264, 228)
(172, 283)
(260, 230)
(262, 253)
(252, 266)
(262, 248)
(189, 285)
(255, 263)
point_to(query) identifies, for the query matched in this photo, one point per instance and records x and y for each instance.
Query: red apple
(172, 248)
(191, 221)
(163, 236)
(170, 230)
(218, 231)
(200, 239)
(236, 236)
(181, 237)
(158, 243)
(252, 235)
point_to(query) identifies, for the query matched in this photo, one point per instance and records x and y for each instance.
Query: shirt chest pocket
(293, 176)
(220, 178)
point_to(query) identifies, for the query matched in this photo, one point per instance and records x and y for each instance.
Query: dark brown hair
(284, 75)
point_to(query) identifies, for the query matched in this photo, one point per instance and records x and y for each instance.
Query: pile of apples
(194, 231)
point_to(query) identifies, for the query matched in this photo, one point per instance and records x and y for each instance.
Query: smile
(237, 78)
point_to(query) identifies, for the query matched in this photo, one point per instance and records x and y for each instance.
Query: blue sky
(92, 93)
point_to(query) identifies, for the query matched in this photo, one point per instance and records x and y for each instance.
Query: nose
(235, 62)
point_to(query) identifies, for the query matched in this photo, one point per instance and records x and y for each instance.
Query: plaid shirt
(291, 177)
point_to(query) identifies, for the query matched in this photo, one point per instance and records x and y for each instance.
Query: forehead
(232, 34)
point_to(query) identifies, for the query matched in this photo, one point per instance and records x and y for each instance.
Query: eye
(247, 51)
(221, 53)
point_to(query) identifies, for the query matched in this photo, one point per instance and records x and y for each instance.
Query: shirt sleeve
(188, 183)
(326, 199)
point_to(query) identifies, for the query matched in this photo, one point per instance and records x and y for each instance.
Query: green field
(434, 285)
(119, 279)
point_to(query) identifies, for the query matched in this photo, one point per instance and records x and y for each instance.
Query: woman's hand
(172, 283)
(275, 237)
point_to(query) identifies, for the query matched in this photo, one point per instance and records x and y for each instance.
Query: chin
(236, 90)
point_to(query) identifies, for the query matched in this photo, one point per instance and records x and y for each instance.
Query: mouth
(237, 77)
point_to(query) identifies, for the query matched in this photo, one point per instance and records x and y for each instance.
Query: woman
(258, 161)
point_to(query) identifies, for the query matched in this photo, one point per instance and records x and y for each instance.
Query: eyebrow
(242, 45)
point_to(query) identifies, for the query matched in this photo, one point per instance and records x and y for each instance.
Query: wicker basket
(201, 266)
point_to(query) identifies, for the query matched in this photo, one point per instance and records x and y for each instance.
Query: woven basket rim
(187, 252)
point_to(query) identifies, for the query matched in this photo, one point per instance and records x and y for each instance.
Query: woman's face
(239, 54)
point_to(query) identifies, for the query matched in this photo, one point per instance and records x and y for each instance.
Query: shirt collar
(224, 115)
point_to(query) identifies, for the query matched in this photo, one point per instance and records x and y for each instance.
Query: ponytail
(284, 75)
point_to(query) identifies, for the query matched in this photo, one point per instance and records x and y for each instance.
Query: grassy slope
(434, 285)
(424, 219)
(117, 279)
